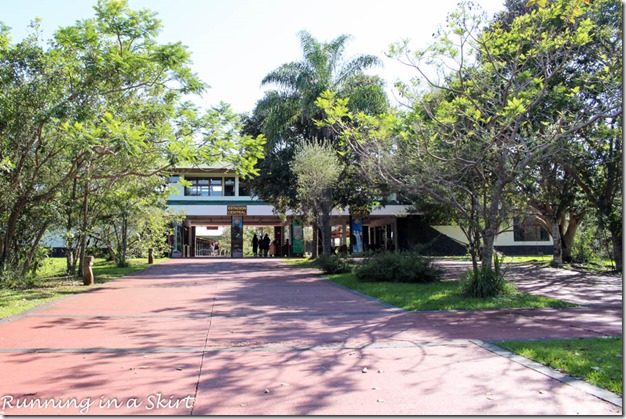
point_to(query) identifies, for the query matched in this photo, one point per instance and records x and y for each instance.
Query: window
(216, 186)
(204, 187)
(229, 186)
(199, 187)
(244, 188)
(526, 229)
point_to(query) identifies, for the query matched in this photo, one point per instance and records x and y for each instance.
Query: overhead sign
(236, 210)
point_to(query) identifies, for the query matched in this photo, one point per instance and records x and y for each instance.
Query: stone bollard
(87, 272)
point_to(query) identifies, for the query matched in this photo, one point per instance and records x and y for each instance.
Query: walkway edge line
(596, 391)
(367, 297)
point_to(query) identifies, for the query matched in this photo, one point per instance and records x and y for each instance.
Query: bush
(588, 245)
(485, 282)
(12, 279)
(398, 267)
(332, 264)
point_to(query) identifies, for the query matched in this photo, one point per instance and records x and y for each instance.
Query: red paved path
(255, 337)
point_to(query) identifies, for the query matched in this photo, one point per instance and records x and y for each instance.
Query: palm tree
(287, 113)
(291, 105)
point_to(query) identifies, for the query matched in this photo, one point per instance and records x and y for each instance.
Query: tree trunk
(11, 231)
(1, 247)
(314, 253)
(489, 232)
(33, 249)
(487, 254)
(70, 262)
(569, 235)
(475, 243)
(83, 233)
(557, 248)
(616, 239)
(124, 241)
(70, 243)
(491, 224)
(326, 234)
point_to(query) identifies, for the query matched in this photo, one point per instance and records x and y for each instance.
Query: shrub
(588, 245)
(485, 282)
(332, 264)
(398, 267)
(12, 279)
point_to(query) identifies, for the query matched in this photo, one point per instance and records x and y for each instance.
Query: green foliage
(288, 112)
(486, 282)
(100, 102)
(443, 295)
(590, 245)
(405, 266)
(316, 168)
(13, 279)
(331, 264)
(488, 104)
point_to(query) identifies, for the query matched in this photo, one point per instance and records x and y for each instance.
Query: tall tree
(468, 137)
(287, 113)
(591, 160)
(554, 199)
(102, 100)
(317, 171)
(595, 155)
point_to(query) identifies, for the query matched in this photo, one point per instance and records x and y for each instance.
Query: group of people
(214, 249)
(261, 247)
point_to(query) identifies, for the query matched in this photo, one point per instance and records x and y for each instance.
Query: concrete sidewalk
(255, 337)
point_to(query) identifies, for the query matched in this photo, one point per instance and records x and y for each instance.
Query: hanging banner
(236, 237)
(297, 239)
(356, 235)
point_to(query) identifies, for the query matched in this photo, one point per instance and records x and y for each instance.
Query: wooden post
(150, 256)
(87, 272)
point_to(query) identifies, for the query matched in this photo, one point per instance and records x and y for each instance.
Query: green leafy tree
(468, 137)
(287, 114)
(317, 170)
(134, 219)
(589, 161)
(595, 155)
(102, 100)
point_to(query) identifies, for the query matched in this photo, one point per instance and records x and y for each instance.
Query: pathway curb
(601, 393)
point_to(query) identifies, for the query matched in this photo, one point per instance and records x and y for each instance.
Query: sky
(235, 43)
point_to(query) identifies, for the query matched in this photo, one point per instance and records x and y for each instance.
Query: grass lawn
(444, 295)
(599, 266)
(50, 285)
(595, 360)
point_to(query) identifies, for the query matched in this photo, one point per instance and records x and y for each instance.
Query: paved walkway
(255, 337)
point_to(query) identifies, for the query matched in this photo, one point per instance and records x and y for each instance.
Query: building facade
(216, 198)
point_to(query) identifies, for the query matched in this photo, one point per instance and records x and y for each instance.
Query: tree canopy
(287, 115)
(100, 101)
(491, 102)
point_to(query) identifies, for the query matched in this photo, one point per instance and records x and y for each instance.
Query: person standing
(266, 245)
(255, 245)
